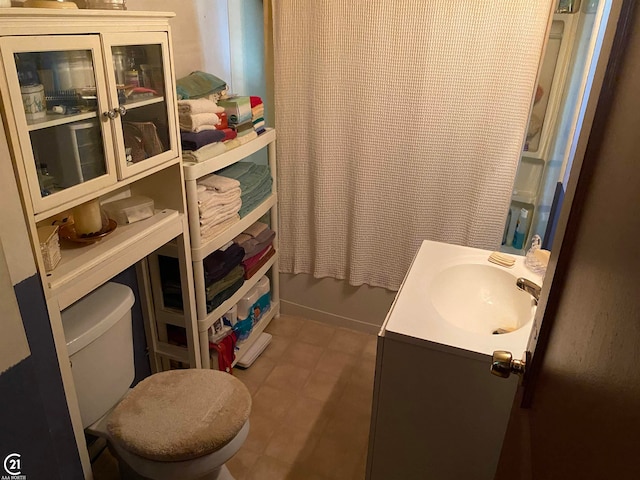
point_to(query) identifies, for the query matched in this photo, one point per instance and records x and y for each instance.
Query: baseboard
(291, 308)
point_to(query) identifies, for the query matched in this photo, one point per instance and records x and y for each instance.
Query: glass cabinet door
(57, 89)
(141, 85)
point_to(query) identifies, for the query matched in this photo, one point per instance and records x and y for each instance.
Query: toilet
(177, 424)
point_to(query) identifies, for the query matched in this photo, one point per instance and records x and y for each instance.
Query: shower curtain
(398, 121)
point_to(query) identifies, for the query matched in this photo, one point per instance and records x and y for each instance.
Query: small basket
(49, 246)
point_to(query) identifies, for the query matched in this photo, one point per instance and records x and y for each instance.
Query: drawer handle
(121, 110)
(109, 114)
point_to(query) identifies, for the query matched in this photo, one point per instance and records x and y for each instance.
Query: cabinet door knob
(121, 110)
(109, 114)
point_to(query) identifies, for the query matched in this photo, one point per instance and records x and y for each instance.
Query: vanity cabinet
(437, 411)
(89, 112)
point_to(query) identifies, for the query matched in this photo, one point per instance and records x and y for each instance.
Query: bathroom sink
(453, 296)
(481, 298)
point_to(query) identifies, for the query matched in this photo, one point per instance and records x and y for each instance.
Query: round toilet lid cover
(180, 414)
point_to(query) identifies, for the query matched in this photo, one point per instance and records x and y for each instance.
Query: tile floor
(312, 390)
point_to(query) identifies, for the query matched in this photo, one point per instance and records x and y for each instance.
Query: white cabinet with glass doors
(90, 110)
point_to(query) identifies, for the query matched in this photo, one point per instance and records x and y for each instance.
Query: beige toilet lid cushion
(180, 414)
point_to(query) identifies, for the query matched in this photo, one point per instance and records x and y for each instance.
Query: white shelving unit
(200, 250)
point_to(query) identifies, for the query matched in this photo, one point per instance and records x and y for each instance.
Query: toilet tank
(98, 332)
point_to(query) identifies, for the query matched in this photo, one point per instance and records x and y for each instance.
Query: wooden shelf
(204, 324)
(84, 267)
(193, 171)
(198, 254)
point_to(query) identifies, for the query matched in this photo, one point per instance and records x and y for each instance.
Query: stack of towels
(240, 117)
(257, 243)
(255, 183)
(198, 115)
(257, 114)
(203, 129)
(219, 204)
(223, 274)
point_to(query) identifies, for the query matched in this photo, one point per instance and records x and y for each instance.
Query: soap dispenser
(521, 229)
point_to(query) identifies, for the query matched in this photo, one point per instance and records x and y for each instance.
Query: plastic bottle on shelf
(521, 229)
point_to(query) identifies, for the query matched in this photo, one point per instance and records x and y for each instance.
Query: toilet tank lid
(91, 316)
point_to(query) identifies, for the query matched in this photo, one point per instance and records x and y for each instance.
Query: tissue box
(129, 210)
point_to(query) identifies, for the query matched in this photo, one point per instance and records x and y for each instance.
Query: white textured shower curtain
(398, 121)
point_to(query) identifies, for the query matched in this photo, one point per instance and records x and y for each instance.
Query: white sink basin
(454, 297)
(481, 299)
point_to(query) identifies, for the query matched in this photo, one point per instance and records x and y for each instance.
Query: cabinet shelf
(54, 120)
(143, 103)
(205, 323)
(200, 253)
(193, 171)
(82, 266)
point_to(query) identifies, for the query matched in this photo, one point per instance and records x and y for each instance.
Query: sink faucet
(531, 288)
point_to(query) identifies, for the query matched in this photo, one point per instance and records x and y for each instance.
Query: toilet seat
(196, 468)
(180, 415)
(179, 424)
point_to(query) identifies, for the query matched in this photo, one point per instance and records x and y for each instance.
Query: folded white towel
(206, 230)
(214, 215)
(197, 122)
(198, 105)
(219, 183)
(204, 153)
(209, 233)
(239, 141)
(207, 197)
(247, 138)
(211, 199)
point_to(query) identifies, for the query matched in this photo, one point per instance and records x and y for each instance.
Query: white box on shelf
(130, 209)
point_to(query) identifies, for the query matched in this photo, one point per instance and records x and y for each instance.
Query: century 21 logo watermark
(13, 466)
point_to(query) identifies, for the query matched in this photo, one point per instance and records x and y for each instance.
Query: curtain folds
(398, 121)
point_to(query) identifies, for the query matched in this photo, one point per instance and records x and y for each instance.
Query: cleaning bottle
(521, 229)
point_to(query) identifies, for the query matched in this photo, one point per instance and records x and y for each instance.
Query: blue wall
(34, 418)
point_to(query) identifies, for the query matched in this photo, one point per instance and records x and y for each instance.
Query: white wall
(185, 30)
(213, 17)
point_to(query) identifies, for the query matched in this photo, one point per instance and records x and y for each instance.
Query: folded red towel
(229, 134)
(250, 272)
(255, 101)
